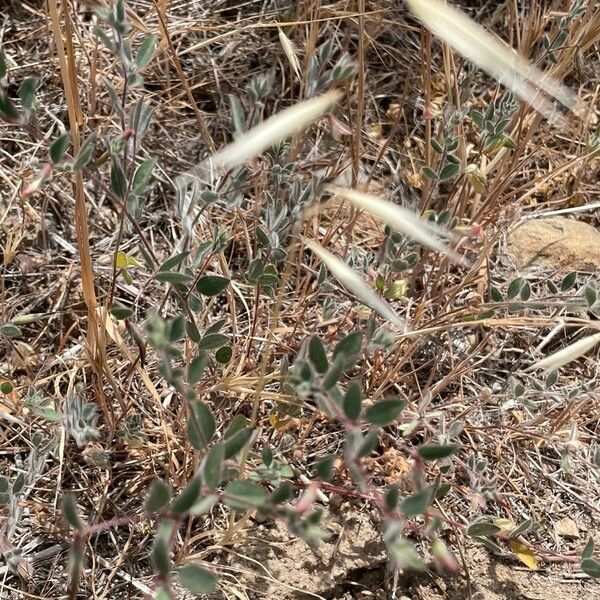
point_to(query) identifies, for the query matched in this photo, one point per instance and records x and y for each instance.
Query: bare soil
(352, 564)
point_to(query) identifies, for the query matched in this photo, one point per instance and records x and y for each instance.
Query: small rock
(567, 528)
(555, 242)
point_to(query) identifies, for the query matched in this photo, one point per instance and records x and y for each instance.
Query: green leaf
(224, 354)
(590, 295)
(119, 12)
(212, 465)
(517, 388)
(324, 468)
(568, 282)
(509, 143)
(349, 346)
(201, 429)
(209, 197)
(334, 373)
(213, 341)
(496, 295)
(242, 495)
(173, 261)
(304, 371)
(59, 147)
(267, 456)
(236, 442)
(85, 153)
(216, 327)
(514, 288)
(176, 328)
(430, 173)
(159, 495)
(6, 387)
(237, 424)
(196, 368)
(187, 498)
(162, 594)
(118, 181)
(268, 279)
(203, 505)
(522, 528)
(121, 312)
(591, 567)
(317, 354)
(4, 491)
(442, 490)
(172, 277)
(450, 170)
(192, 332)
(104, 38)
(588, 549)
(48, 413)
(368, 445)
(352, 401)
(416, 503)
(435, 451)
(140, 119)
(262, 238)
(115, 100)
(69, 510)
(197, 580)
(282, 493)
(27, 91)
(482, 529)
(160, 556)
(551, 379)
(3, 68)
(10, 331)
(144, 55)
(7, 108)
(436, 145)
(392, 496)
(385, 412)
(237, 113)
(142, 176)
(255, 269)
(18, 483)
(403, 554)
(211, 285)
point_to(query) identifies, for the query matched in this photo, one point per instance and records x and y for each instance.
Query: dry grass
(537, 451)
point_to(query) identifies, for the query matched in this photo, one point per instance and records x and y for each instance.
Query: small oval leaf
(385, 412)
(197, 580)
(211, 285)
(159, 495)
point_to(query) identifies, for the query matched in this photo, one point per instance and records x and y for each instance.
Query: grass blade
(273, 130)
(492, 55)
(290, 53)
(354, 283)
(566, 355)
(400, 219)
(190, 185)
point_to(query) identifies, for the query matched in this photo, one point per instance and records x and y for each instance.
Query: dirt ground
(352, 565)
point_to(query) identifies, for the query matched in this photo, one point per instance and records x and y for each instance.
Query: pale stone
(555, 242)
(567, 528)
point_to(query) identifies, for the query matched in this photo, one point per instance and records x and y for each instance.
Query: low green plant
(237, 470)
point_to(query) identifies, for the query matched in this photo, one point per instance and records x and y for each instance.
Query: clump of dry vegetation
(254, 278)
